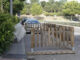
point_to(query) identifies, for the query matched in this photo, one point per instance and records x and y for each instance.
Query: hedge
(6, 31)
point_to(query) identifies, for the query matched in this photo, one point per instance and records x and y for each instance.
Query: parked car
(24, 20)
(31, 23)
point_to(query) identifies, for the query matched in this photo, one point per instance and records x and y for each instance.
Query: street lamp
(11, 7)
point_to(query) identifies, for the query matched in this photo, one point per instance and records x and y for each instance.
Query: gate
(51, 39)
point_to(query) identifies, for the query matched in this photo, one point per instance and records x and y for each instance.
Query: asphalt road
(64, 56)
(17, 50)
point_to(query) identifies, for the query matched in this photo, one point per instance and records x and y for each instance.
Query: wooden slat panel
(67, 32)
(32, 38)
(58, 36)
(41, 35)
(60, 31)
(52, 35)
(63, 36)
(38, 36)
(44, 35)
(56, 31)
(51, 52)
(72, 36)
(53, 31)
(48, 36)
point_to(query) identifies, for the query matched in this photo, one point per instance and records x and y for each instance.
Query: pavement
(62, 56)
(18, 51)
(75, 56)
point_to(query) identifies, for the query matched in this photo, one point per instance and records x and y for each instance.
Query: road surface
(64, 56)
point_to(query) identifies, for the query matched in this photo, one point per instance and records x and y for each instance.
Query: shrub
(6, 31)
(36, 9)
(48, 14)
(15, 20)
(55, 13)
(58, 13)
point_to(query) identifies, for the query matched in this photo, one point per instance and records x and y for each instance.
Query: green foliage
(17, 6)
(15, 20)
(43, 3)
(51, 1)
(48, 14)
(63, 1)
(0, 5)
(36, 9)
(34, 1)
(6, 31)
(52, 14)
(6, 6)
(55, 7)
(58, 13)
(48, 7)
(26, 9)
(71, 23)
(71, 8)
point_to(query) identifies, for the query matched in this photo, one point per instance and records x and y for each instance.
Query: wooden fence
(52, 36)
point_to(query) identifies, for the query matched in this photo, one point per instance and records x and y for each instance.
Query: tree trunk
(2, 6)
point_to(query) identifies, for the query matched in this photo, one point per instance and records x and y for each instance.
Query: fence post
(38, 36)
(32, 39)
(48, 36)
(41, 35)
(72, 38)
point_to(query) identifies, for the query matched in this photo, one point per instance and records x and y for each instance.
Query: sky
(55, 0)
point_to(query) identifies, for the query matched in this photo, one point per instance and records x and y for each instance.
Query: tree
(43, 3)
(48, 7)
(36, 9)
(34, 1)
(1, 5)
(51, 1)
(17, 5)
(26, 9)
(63, 1)
(57, 6)
(71, 8)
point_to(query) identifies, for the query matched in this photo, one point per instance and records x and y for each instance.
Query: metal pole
(11, 7)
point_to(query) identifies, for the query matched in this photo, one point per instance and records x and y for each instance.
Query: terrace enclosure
(47, 38)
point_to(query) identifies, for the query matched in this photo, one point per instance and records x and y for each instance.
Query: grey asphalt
(63, 56)
(75, 56)
(18, 51)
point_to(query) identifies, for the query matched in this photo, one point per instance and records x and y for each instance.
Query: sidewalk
(10, 59)
(16, 52)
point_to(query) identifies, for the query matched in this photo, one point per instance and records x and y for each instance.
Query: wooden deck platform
(51, 52)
